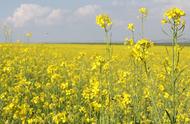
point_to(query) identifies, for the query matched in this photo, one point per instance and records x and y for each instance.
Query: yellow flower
(82, 110)
(126, 99)
(128, 41)
(90, 120)
(8, 108)
(144, 43)
(60, 118)
(96, 106)
(146, 93)
(166, 95)
(141, 49)
(143, 11)
(174, 13)
(35, 99)
(103, 20)
(131, 27)
(29, 34)
(161, 87)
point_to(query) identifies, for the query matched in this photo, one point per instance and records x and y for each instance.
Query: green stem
(107, 43)
(133, 36)
(109, 87)
(173, 73)
(142, 25)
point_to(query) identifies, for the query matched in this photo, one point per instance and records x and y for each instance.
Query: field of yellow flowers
(135, 83)
(58, 84)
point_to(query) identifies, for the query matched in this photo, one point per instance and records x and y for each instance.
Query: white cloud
(87, 10)
(33, 13)
(42, 15)
(56, 16)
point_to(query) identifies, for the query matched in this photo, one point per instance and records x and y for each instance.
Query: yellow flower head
(131, 27)
(161, 87)
(141, 49)
(129, 41)
(29, 34)
(96, 106)
(103, 20)
(143, 11)
(174, 14)
(144, 43)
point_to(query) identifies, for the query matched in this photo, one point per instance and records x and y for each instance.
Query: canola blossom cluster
(174, 15)
(128, 41)
(103, 20)
(141, 49)
(143, 11)
(131, 27)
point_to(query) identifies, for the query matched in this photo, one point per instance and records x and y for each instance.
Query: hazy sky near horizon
(74, 20)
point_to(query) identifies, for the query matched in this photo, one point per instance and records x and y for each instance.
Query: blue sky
(74, 20)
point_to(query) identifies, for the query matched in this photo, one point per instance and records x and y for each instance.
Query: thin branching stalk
(142, 25)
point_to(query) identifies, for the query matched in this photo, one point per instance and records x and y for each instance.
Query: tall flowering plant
(105, 22)
(173, 18)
